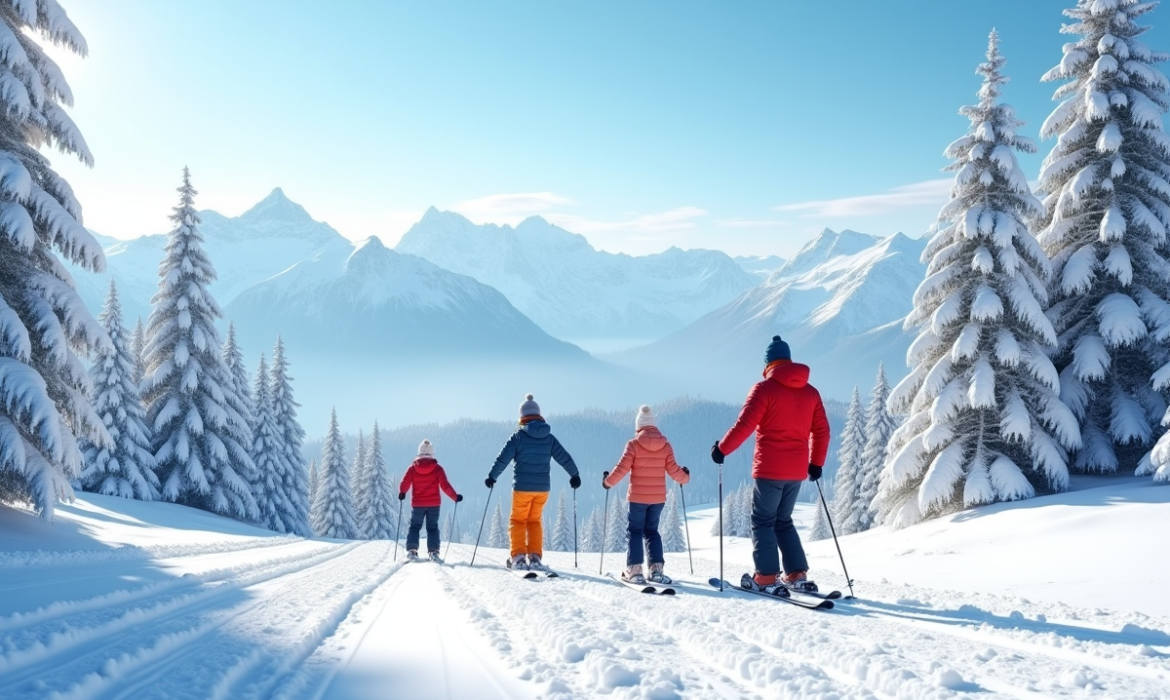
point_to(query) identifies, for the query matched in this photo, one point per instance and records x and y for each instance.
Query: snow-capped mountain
(839, 303)
(761, 266)
(571, 289)
(263, 241)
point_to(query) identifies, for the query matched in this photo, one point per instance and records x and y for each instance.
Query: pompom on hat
(777, 350)
(529, 407)
(426, 449)
(645, 419)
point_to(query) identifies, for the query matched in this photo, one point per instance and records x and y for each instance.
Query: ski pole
(829, 518)
(451, 535)
(481, 521)
(397, 529)
(574, 528)
(721, 526)
(604, 528)
(687, 524)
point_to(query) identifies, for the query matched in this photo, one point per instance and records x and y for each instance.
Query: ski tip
(667, 591)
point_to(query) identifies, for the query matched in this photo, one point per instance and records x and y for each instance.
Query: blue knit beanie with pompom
(777, 350)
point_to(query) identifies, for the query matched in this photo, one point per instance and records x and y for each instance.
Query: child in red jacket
(426, 477)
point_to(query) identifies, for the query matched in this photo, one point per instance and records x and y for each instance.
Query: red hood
(425, 465)
(650, 438)
(789, 374)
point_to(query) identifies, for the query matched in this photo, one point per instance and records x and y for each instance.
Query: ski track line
(61, 608)
(75, 557)
(568, 646)
(40, 655)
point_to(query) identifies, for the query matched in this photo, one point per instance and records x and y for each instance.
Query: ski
(644, 587)
(522, 573)
(821, 604)
(831, 595)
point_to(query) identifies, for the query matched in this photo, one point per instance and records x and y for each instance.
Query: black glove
(402, 495)
(574, 481)
(716, 454)
(814, 472)
(489, 482)
(685, 471)
(458, 498)
(603, 478)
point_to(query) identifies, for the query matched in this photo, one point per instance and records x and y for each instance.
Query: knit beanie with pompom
(777, 350)
(426, 449)
(645, 419)
(529, 407)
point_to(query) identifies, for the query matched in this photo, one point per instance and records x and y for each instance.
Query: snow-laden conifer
(312, 480)
(202, 439)
(126, 468)
(1107, 210)
(562, 538)
(618, 531)
(269, 488)
(847, 484)
(498, 536)
(137, 352)
(671, 525)
(879, 429)
(332, 514)
(376, 509)
(44, 325)
(591, 532)
(290, 437)
(241, 396)
(357, 470)
(985, 422)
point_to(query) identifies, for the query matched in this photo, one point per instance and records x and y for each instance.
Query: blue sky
(743, 126)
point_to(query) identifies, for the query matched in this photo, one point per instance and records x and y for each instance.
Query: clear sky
(744, 126)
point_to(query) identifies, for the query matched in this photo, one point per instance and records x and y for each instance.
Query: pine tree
(137, 353)
(332, 514)
(271, 498)
(127, 468)
(498, 536)
(879, 429)
(313, 479)
(201, 438)
(671, 525)
(745, 510)
(618, 533)
(985, 422)
(591, 534)
(44, 387)
(562, 540)
(357, 480)
(847, 486)
(241, 393)
(376, 509)
(290, 439)
(1106, 215)
(820, 527)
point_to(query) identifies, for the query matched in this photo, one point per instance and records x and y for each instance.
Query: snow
(1053, 597)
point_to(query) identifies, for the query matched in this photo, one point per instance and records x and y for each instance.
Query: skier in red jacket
(786, 413)
(426, 477)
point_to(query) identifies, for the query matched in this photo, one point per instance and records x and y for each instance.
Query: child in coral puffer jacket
(648, 458)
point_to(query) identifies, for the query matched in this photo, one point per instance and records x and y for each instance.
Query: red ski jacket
(786, 413)
(427, 477)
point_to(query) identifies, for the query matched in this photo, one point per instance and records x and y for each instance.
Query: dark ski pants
(772, 528)
(644, 528)
(416, 520)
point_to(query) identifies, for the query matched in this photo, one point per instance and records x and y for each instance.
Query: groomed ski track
(326, 620)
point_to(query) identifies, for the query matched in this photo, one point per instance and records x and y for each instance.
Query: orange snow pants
(527, 527)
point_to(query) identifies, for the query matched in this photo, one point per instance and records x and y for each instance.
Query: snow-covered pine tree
(618, 532)
(312, 480)
(591, 532)
(1107, 210)
(241, 393)
(332, 514)
(562, 540)
(745, 510)
(820, 527)
(376, 511)
(202, 439)
(879, 428)
(847, 485)
(985, 422)
(44, 387)
(671, 525)
(269, 489)
(290, 439)
(137, 352)
(357, 470)
(498, 536)
(126, 468)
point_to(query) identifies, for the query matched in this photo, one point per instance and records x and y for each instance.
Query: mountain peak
(277, 207)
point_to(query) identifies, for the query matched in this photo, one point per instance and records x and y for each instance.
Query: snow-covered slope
(839, 304)
(759, 265)
(573, 291)
(263, 241)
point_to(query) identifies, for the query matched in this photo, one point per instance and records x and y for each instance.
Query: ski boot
(434, 556)
(535, 564)
(518, 562)
(633, 574)
(411, 555)
(798, 581)
(657, 576)
(770, 585)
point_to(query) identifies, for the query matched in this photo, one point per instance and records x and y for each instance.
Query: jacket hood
(425, 465)
(650, 438)
(789, 374)
(537, 429)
